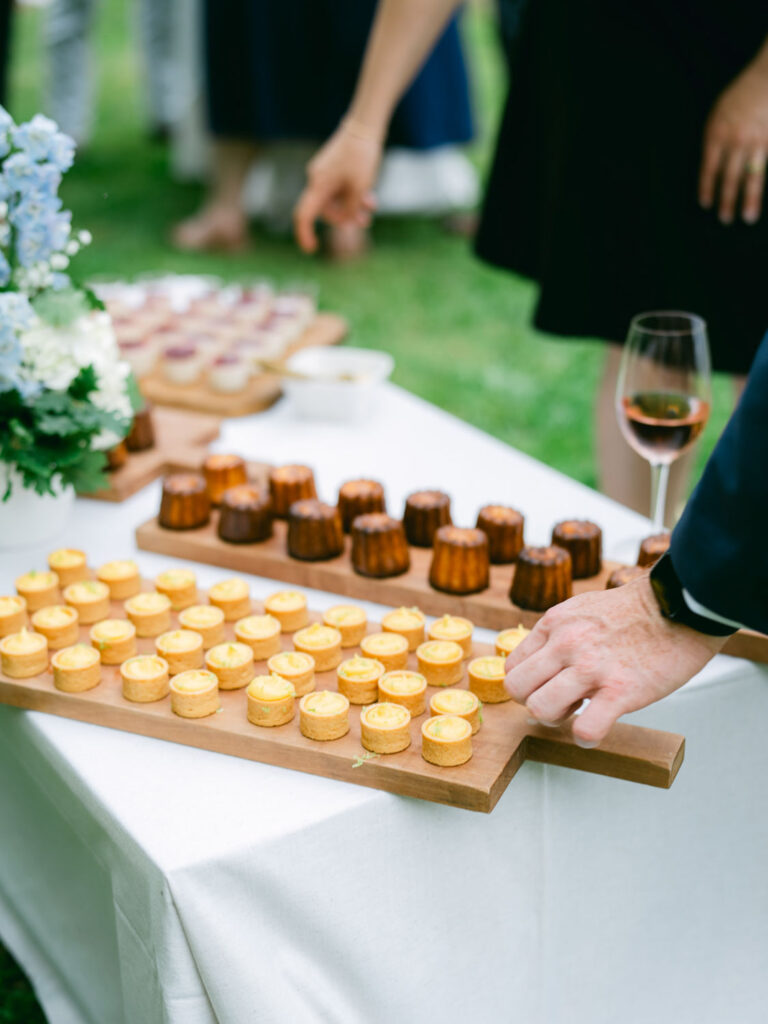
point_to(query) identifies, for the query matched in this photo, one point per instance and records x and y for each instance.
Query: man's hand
(340, 180)
(736, 147)
(612, 646)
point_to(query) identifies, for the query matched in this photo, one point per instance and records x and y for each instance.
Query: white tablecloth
(143, 882)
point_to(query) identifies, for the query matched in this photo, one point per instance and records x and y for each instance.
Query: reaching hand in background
(612, 646)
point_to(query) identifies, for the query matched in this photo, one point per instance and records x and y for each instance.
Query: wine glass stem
(659, 480)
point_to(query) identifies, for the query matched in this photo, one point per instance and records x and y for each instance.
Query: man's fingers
(532, 643)
(710, 166)
(730, 184)
(754, 185)
(556, 700)
(304, 216)
(532, 673)
(596, 721)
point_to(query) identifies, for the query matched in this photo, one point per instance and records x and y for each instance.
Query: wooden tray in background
(181, 439)
(261, 392)
(491, 608)
(504, 742)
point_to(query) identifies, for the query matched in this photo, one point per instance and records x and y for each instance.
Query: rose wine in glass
(663, 393)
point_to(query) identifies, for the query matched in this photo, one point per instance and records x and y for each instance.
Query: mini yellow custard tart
(23, 654)
(180, 585)
(206, 620)
(289, 607)
(76, 669)
(182, 649)
(322, 642)
(406, 688)
(150, 613)
(324, 715)
(121, 576)
(358, 679)
(13, 614)
(408, 622)
(59, 624)
(232, 664)
(509, 639)
(90, 598)
(295, 666)
(261, 633)
(455, 628)
(486, 679)
(271, 701)
(391, 649)
(114, 639)
(69, 564)
(350, 621)
(385, 728)
(446, 740)
(462, 703)
(233, 596)
(38, 589)
(145, 678)
(441, 662)
(194, 694)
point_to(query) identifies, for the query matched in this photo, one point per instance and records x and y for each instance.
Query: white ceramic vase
(28, 518)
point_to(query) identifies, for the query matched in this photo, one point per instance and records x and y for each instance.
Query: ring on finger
(756, 164)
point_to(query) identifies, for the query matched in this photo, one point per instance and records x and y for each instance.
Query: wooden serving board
(504, 742)
(261, 392)
(491, 608)
(181, 440)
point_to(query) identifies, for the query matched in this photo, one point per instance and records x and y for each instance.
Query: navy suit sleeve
(720, 546)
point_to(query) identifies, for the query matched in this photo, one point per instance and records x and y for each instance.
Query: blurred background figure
(283, 71)
(69, 98)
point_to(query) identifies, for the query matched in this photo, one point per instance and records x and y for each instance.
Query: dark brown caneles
(460, 563)
(245, 516)
(288, 484)
(425, 512)
(653, 548)
(584, 541)
(222, 472)
(625, 574)
(117, 456)
(357, 497)
(503, 527)
(185, 504)
(542, 578)
(379, 547)
(314, 530)
(142, 435)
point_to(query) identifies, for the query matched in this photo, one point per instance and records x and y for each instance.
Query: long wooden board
(491, 608)
(261, 392)
(504, 742)
(181, 439)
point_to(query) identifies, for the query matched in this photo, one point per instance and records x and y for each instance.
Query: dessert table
(144, 882)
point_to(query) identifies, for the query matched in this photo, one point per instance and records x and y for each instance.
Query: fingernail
(725, 218)
(538, 721)
(585, 744)
(749, 216)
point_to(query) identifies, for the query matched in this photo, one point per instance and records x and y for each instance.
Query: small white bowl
(328, 396)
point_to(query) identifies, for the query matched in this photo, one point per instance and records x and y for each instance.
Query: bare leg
(222, 222)
(623, 474)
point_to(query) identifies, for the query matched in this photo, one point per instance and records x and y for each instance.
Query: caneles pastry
(245, 515)
(142, 434)
(623, 575)
(542, 578)
(584, 541)
(314, 530)
(356, 497)
(460, 562)
(425, 512)
(288, 484)
(117, 456)
(222, 472)
(379, 547)
(504, 529)
(653, 548)
(185, 503)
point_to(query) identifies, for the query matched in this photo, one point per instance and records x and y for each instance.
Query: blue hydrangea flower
(41, 139)
(6, 123)
(16, 313)
(5, 269)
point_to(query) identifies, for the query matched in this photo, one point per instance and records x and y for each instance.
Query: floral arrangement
(65, 396)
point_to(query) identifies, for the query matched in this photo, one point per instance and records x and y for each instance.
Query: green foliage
(62, 308)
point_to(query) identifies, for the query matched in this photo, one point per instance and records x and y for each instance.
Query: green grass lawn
(458, 330)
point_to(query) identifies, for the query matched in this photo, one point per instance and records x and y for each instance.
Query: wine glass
(663, 393)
